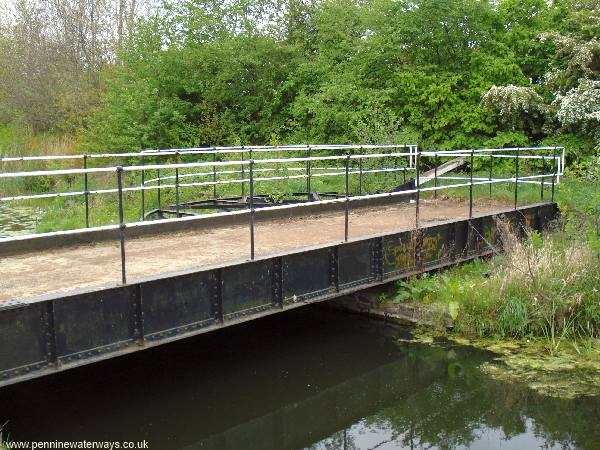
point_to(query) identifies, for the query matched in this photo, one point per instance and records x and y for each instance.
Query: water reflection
(306, 379)
(17, 220)
(462, 408)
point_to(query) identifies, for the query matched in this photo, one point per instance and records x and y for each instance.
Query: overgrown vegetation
(446, 74)
(443, 73)
(121, 76)
(540, 288)
(544, 287)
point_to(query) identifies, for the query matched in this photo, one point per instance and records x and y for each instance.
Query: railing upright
(87, 194)
(214, 175)
(251, 209)
(308, 172)
(251, 158)
(553, 170)
(121, 223)
(243, 174)
(360, 172)
(177, 185)
(491, 170)
(471, 187)
(158, 192)
(143, 193)
(517, 177)
(347, 203)
(435, 175)
(417, 187)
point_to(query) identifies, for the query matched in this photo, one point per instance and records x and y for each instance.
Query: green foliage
(415, 289)
(545, 287)
(524, 21)
(441, 73)
(334, 71)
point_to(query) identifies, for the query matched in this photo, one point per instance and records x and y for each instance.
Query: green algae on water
(564, 374)
(569, 373)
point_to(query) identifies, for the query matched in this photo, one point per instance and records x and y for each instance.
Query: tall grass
(540, 288)
(16, 140)
(543, 287)
(3, 438)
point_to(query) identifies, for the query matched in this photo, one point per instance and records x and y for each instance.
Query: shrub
(541, 287)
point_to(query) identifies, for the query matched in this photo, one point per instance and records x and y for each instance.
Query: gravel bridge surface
(84, 266)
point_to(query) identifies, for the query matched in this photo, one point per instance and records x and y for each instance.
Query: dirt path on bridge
(61, 270)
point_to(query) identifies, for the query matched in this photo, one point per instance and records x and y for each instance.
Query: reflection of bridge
(356, 398)
(296, 385)
(189, 275)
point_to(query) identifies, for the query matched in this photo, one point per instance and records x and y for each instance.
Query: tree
(52, 53)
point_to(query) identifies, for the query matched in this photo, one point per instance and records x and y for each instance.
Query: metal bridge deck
(303, 261)
(84, 266)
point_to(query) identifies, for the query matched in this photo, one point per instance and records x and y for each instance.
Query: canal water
(307, 379)
(15, 221)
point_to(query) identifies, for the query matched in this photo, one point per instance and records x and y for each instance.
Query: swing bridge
(213, 236)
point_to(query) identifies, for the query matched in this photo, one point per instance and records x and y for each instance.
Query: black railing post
(471, 188)
(360, 172)
(517, 177)
(251, 158)
(251, 209)
(214, 174)
(158, 192)
(395, 150)
(87, 194)
(308, 172)
(143, 206)
(347, 203)
(177, 185)
(553, 170)
(417, 187)
(491, 168)
(121, 223)
(435, 175)
(243, 173)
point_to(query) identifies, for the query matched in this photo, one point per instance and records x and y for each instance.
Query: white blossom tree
(580, 106)
(572, 82)
(514, 104)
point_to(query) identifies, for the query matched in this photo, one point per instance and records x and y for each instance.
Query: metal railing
(411, 148)
(345, 160)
